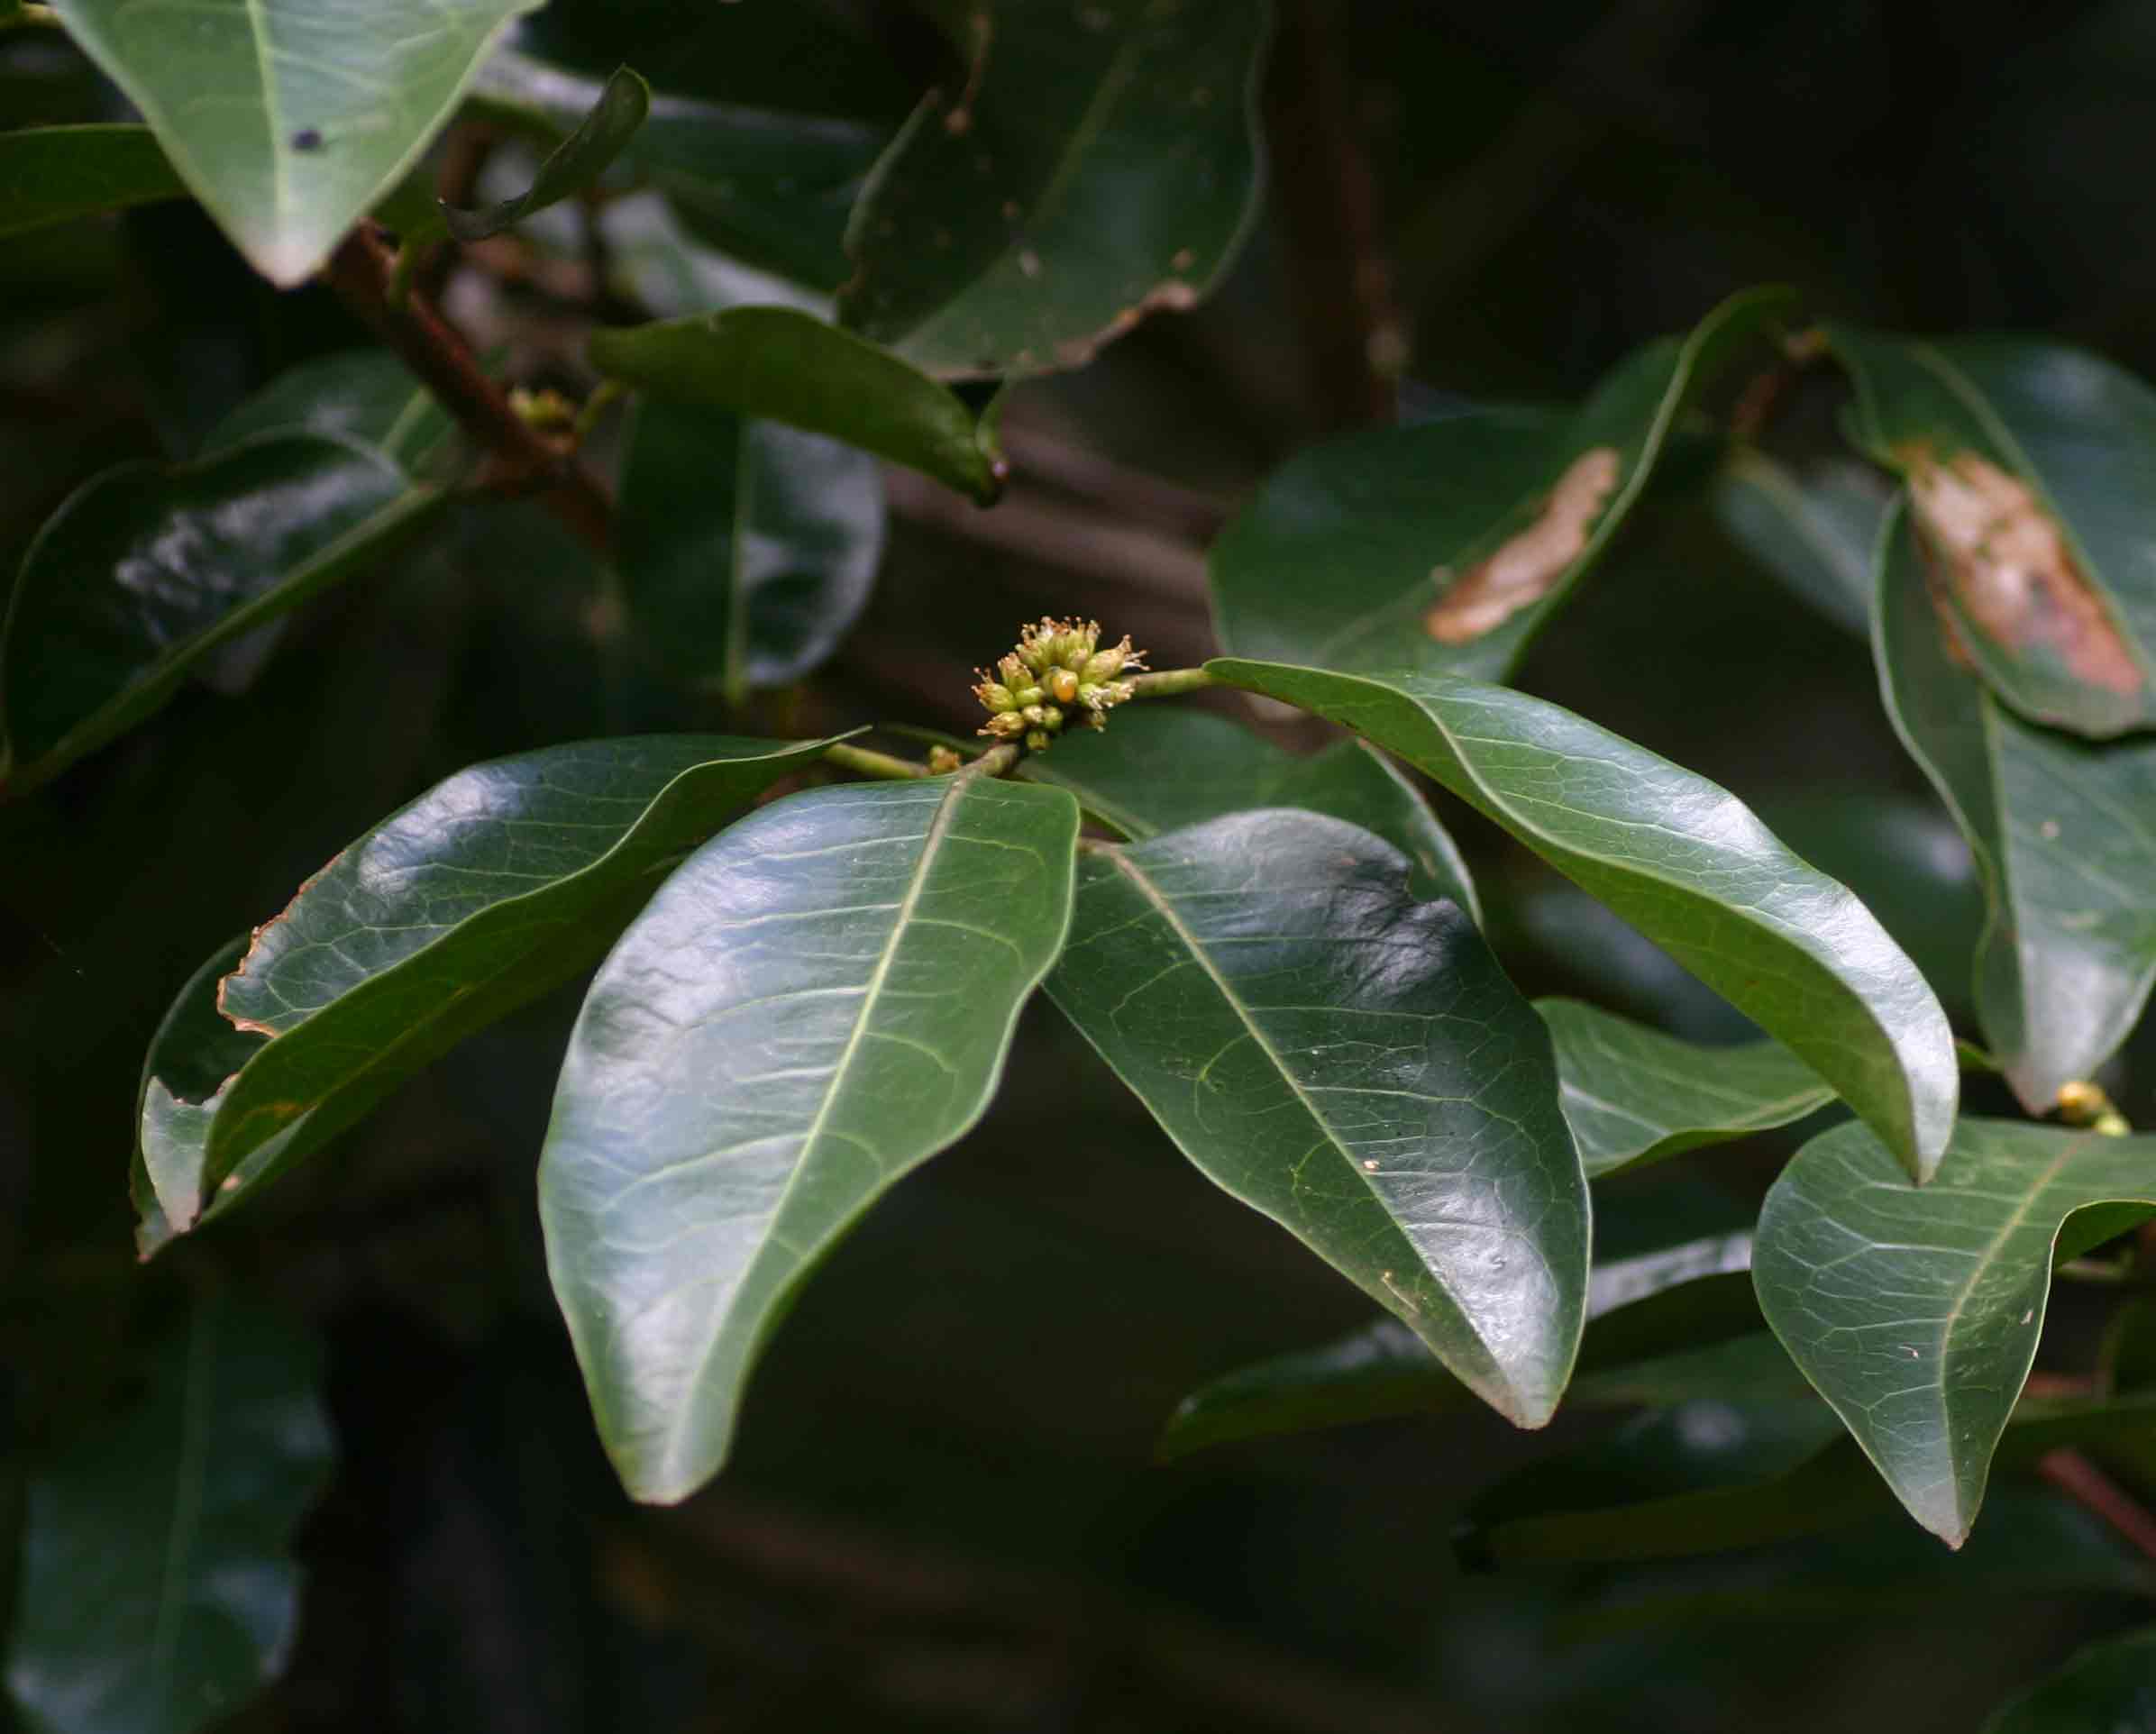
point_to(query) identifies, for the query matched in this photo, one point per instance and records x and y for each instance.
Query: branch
(520, 459)
(2093, 1490)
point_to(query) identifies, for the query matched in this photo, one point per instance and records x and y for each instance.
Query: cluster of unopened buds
(1057, 673)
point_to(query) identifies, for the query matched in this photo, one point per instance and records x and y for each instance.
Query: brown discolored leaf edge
(1528, 566)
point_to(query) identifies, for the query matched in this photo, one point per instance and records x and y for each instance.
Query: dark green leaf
(2064, 967)
(1633, 1095)
(290, 121)
(1164, 766)
(1102, 163)
(788, 366)
(145, 570)
(157, 1595)
(1662, 1326)
(2128, 1361)
(1688, 864)
(1354, 1064)
(365, 395)
(1813, 529)
(1446, 546)
(2027, 462)
(767, 185)
(2108, 1688)
(1916, 1313)
(1560, 1519)
(819, 999)
(745, 550)
(50, 174)
(577, 162)
(194, 1052)
(492, 887)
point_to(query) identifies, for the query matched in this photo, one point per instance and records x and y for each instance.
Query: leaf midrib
(939, 827)
(186, 1499)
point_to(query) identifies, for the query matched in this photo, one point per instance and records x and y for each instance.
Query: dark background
(943, 1514)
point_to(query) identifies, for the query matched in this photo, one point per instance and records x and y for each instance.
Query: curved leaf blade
(1445, 547)
(1916, 1314)
(2110, 1686)
(1102, 163)
(1634, 1096)
(289, 118)
(498, 883)
(157, 1590)
(1164, 767)
(746, 551)
(1814, 529)
(574, 164)
(1677, 1323)
(838, 976)
(1685, 862)
(788, 366)
(365, 395)
(145, 570)
(2027, 462)
(53, 174)
(1354, 1064)
(2068, 956)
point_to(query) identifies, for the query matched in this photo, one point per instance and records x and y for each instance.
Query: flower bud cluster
(1058, 673)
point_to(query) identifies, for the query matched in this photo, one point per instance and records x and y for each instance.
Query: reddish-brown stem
(2093, 1490)
(520, 459)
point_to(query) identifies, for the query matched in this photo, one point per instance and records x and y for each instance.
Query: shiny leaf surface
(145, 570)
(495, 885)
(1633, 1095)
(52, 174)
(745, 550)
(289, 118)
(819, 999)
(1100, 162)
(578, 160)
(1688, 864)
(1164, 766)
(2108, 1688)
(788, 366)
(1444, 547)
(157, 1592)
(2027, 462)
(1677, 1323)
(365, 395)
(1354, 1064)
(1916, 1313)
(2064, 967)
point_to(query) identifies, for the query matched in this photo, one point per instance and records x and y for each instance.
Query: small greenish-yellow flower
(1057, 673)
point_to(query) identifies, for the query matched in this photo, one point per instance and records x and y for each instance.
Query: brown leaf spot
(2007, 563)
(306, 885)
(1525, 568)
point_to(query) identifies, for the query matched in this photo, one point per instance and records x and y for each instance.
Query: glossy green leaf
(578, 160)
(1688, 864)
(788, 366)
(494, 886)
(1745, 1488)
(1354, 1064)
(1444, 547)
(51, 174)
(145, 570)
(1164, 766)
(1102, 163)
(1815, 528)
(2108, 1688)
(745, 550)
(289, 118)
(819, 999)
(2057, 828)
(1633, 1095)
(365, 395)
(1916, 1313)
(768, 185)
(194, 1052)
(1677, 1323)
(157, 1592)
(2027, 462)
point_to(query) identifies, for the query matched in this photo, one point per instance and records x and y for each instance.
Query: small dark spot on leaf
(306, 139)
